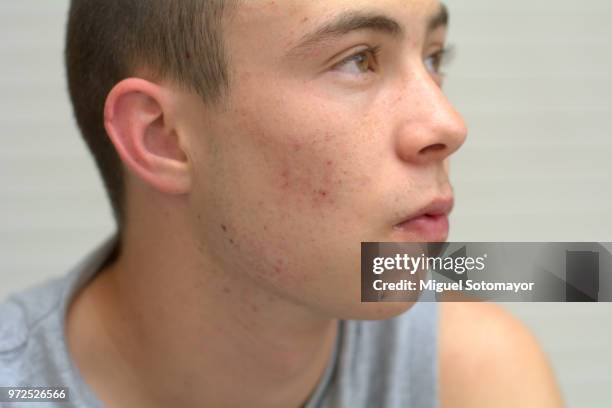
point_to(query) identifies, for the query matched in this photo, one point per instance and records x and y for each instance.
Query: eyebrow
(439, 19)
(349, 21)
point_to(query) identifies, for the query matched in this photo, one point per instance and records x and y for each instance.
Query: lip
(430, 223)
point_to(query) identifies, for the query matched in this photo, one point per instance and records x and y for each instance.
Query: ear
(138, 120)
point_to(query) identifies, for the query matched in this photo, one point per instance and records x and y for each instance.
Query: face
(324, 141)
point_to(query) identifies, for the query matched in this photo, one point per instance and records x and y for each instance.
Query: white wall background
(532, 78)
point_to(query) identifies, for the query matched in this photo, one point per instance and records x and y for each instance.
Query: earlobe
(138, 121)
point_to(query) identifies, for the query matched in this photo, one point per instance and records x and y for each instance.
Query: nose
(429, 129)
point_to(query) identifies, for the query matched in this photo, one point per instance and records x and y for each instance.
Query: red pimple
(285, 177)
(323, 193)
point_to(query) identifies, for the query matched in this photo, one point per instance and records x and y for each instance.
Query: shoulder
(489, 358)
(13, 327)
(24, 317)
(13, 340)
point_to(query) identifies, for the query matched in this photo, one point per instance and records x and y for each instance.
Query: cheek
(309, 178)
(291, 189)
(316, 168)
(308, 149)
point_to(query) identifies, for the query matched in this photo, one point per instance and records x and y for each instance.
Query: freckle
(187, 55)
(226, 289)
(329, 163)
(224, 228)
(305, 19)
(255, 308)
(265, 228)
(231, 241)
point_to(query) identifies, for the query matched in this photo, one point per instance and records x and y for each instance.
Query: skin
(241, 250)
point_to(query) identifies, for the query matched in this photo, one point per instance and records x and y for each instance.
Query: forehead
(284, 22)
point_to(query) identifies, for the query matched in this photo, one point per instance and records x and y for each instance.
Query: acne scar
(285, 179)
(278, 267)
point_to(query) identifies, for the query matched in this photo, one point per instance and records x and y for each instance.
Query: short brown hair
(109, 40)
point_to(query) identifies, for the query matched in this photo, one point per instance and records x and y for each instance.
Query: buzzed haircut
(110, 40)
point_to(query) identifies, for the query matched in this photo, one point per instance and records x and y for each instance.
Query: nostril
(433, 148)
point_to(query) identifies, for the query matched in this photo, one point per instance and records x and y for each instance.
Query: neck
(176, 330)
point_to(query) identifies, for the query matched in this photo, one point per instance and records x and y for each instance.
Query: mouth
(429, 224)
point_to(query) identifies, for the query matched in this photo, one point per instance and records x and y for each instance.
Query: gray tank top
(376, 364)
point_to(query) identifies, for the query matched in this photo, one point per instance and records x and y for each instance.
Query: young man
(248, 148)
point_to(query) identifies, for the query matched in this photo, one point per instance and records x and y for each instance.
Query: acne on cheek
(315, 188)
(263, 258)
(266, 256)
(327, 183)
(310, 173)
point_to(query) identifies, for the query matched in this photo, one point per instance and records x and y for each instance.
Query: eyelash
(438, 58)
(370, 52)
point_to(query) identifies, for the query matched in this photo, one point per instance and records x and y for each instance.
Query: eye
(359, 63)
(435, 61)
